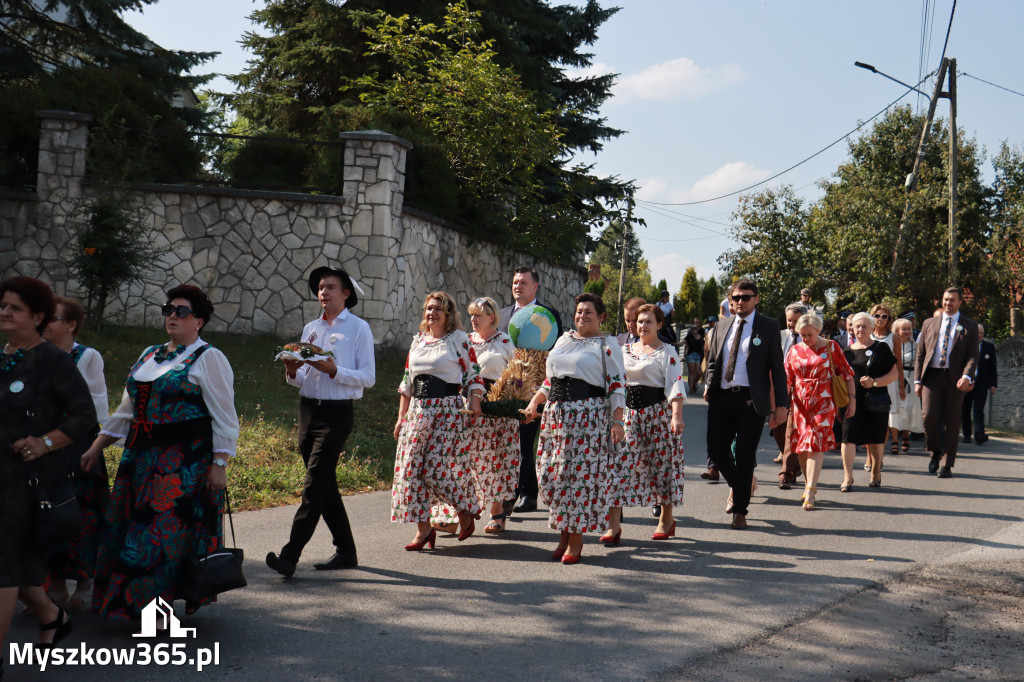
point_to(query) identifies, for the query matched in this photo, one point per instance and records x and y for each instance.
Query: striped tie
(945, 343)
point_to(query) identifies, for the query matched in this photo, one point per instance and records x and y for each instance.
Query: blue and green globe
(533, 327)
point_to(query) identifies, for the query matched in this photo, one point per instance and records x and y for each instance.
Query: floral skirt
(432, 463)
(648, 468)
(161, 514)
(494, 451)
(573, 464)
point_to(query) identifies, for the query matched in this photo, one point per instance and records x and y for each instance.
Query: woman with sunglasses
(584, 374)
(432, 462)
(493, 443)
(76, 560)
(177, 416)
(897, 391)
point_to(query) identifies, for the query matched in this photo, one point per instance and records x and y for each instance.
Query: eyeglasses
(742, 297)
(182, 311)
(881, 316)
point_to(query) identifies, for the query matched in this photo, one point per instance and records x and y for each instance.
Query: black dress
(866, 427)
(42, 392)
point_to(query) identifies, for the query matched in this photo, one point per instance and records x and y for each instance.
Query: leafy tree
(687, 301)
(609, 247)
(777, 250)
(637, 283)
(1007, 241)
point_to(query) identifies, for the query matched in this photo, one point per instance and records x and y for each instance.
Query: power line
(948, 29)
(799, 163)
(967, 75)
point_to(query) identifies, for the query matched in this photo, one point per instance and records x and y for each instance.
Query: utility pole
(622, 268)
(953, 274)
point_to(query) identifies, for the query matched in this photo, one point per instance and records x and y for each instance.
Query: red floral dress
(809, 375)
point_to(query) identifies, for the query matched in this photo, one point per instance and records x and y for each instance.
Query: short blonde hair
(901, 323)
(485, 305)
(857, 317)
(808, 320)
(451, 319)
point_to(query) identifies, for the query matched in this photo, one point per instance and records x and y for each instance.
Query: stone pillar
(374, 188)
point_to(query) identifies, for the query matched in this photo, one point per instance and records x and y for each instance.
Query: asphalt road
(872, 585)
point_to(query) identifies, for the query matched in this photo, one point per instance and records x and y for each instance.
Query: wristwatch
(220, 461)
(48, 443)
(874, 383)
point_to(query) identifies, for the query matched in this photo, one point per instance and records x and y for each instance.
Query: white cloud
(680, 77)
(649, 189)
(727, 178)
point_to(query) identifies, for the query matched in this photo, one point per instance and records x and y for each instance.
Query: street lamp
(885, 75)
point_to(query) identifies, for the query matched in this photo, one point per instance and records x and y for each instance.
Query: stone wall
(1007, 408)
(252, 251)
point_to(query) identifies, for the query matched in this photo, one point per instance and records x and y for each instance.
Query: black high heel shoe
(62, 627)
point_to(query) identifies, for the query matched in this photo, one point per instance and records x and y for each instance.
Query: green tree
(1007, 241)
(710, 298)
(776, 250)
(687, 301)
(637, 283)
(608, 249)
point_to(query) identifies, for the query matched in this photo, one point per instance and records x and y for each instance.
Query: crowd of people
(603, 432)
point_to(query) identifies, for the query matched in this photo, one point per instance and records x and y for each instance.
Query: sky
(717, 96)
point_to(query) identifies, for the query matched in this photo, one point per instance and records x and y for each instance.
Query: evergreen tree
(687, 302)
(710, 299)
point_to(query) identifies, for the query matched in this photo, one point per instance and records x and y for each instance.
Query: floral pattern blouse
(450, 358)
(578, 357)
(492, 354)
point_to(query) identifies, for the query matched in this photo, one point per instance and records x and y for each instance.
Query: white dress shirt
(90, 366)
(350, 339)
(739, 377)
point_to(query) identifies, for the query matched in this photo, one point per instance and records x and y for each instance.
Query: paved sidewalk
(913, 580)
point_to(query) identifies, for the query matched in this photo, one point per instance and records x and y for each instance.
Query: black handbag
(877, 401)
(217, 572)
(56, 510)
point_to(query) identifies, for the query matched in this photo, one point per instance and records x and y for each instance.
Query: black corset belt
(639, 397)
(429, 387)
(567, 390)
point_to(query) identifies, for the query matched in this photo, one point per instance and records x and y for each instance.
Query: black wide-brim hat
(346, 281)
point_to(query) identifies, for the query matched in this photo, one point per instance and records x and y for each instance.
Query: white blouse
(493, 354)
(212, 373)
(575, 357)
(660, 368)
(90, 365)
(450, 358)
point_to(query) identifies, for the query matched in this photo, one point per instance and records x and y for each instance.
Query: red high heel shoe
(468, 531)
(417, 546)
(570, 559)
(557, 556)
(665, 536)
(608, 540)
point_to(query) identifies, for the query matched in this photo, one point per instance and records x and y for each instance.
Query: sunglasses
(881, 316)
(182, 311)
(742, 297)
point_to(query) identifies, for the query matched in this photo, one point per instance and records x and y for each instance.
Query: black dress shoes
(945, 472)
(282, 565)
(337, 562)
(981, 439)
(524, 504)
(933, 464)
(967, 438)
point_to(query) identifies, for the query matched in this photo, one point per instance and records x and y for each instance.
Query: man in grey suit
(985, 381)
(525, 283)
(745, 367)
(947, 358)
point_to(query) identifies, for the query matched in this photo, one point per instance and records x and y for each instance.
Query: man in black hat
(327, 389)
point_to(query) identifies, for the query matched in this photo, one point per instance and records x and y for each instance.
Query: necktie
(945, 342)
(795, 337)
(734, 349)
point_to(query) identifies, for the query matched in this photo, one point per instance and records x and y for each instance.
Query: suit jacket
(963, 356)
(505, 316)
(843, 339)
(785, 338)
(765, 368)
(986, 377)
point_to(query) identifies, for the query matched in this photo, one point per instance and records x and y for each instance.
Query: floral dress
(161, 514)
(76, 559)
(809, 374)
(574, 449)
(432, 462)
(648, 468)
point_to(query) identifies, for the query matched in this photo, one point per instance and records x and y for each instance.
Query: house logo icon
(159, 615)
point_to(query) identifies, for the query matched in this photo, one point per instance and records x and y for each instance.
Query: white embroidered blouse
(576, 357)
(492, 354)
(660, 368)
(450, 358)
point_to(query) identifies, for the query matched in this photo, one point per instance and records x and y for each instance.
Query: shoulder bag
(877, 401)
(218, 571)
(840, 392)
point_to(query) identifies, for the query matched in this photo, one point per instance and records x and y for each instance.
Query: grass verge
(268, 470)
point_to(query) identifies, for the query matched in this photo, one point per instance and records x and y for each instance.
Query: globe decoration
(533, 327)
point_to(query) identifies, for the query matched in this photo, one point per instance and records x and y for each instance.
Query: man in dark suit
(947, 359)
(525, 283)
(985, 382)
(745, 367)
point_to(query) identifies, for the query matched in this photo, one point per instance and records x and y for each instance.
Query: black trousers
(731, 416)
(323, 430)
(974, 406)
(527, 466)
